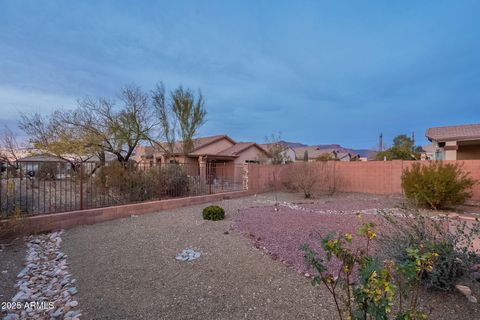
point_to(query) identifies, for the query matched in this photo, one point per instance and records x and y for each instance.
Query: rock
(72, 291)
(476, 275)
(11, 316)
(73, 304)
(475, 267)
(472, 299)
(57, 312)
(466, 291)
(18, 296)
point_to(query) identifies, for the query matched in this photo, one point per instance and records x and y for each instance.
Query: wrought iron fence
(55, 186)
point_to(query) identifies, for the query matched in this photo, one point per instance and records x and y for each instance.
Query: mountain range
(361, 152)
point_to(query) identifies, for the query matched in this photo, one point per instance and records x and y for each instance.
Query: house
(460, 142)
(428, 152)
(329, 154)
(288, 153)
(210, 157)
(33, 164)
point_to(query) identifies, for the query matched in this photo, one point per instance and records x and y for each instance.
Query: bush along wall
(213, 213)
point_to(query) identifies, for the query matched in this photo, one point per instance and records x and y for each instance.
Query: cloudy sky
(316, 71)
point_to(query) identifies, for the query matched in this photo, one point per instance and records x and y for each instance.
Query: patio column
(202, 165)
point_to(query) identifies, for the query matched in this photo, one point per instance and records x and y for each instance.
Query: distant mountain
(293, 144)
(361, 152)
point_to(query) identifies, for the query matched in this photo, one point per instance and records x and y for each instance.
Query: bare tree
(96, 126)
(9, 148)
(276, 150)
(303, 176)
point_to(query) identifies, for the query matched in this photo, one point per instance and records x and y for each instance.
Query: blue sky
(317, 71)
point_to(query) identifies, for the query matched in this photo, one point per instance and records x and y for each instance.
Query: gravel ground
(280, 234)
(125, 269)
(12, 256)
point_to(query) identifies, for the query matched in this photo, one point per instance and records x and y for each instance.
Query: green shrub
(213, 213)
(176, 182)
(450, 239)
(437, 185)
(364, 287)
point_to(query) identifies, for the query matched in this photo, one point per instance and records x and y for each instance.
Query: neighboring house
(346, 156)
(455, 142)
(208, 157)
(32, 164)
(315, 152)
(428, 152)
(288, 153)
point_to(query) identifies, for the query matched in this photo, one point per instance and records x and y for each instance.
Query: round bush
(213, 213)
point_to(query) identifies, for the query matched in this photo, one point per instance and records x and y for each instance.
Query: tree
(53, 135)
(96, 126)
(276, 150)
(305, 156)
(303, 176)
(9, 148)
(181, 115)
(403, 149)
(326, 156)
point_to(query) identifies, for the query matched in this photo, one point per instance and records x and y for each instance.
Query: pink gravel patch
(352, 203)
(281, 233)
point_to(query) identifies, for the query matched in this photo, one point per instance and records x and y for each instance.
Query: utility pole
(380, 142)
(413, 140)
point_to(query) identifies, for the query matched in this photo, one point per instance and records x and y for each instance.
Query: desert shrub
(450, 239)
(302, 177)
(437, 185)
(126, 182)
(365, 287)
(213, 213)
(13, 224)
(176, 181)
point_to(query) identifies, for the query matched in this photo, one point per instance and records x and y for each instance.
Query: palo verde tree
(181, 114)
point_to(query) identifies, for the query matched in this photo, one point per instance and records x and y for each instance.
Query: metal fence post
(81, 186)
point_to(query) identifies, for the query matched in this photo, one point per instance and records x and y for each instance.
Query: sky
(316, 72)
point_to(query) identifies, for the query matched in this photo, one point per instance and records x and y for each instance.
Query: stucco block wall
(376, 177)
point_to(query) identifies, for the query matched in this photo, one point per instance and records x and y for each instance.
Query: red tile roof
(236, 149)
(454, 133)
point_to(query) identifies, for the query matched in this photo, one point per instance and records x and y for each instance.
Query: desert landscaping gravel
(12, 255)
(126, 268)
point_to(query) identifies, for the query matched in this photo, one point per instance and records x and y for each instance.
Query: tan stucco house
(210, 157)
(455, 142)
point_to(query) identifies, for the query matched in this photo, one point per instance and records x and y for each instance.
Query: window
(438, 154)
